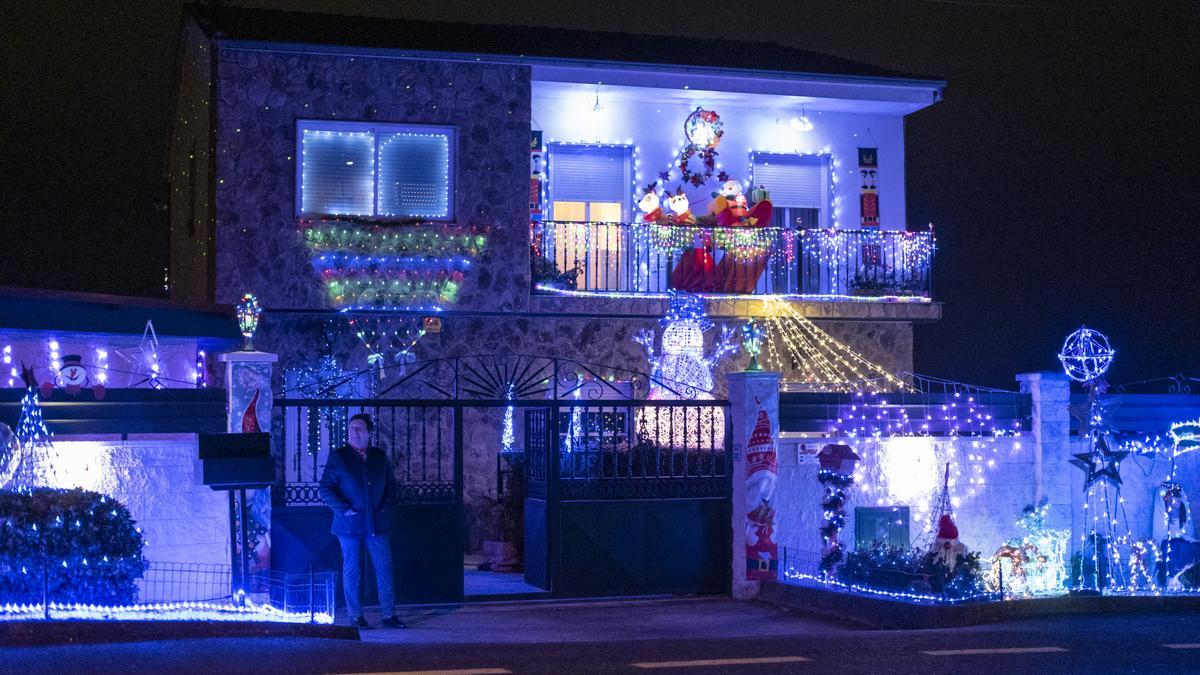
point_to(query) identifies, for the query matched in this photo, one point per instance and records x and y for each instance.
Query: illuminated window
(370, 170)
(589, 182)
(799, 187)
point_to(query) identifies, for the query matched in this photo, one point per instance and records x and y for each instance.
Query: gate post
(754, 409)
(248, 400)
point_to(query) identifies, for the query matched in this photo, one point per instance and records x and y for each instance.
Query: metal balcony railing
(648, 259)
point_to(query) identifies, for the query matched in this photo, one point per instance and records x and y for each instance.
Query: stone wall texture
(605, 341)
(260, 97)
(182, 521)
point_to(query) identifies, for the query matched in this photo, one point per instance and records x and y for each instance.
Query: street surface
(706, 635)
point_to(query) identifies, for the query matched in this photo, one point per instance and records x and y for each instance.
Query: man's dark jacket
(368, 488)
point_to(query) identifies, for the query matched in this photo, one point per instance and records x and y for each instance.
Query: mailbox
(229, 461)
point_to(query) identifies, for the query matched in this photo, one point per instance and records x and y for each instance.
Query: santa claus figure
(946, 547)
(762, 473)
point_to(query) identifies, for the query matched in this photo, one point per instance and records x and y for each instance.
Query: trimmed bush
(85, 544)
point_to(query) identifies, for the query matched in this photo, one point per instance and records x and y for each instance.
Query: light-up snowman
(681, 371)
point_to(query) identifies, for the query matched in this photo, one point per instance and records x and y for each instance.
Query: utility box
(229, 461)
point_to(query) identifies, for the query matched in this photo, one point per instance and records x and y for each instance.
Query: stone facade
(262, 94)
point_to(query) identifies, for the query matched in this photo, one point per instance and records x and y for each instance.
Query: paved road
(667, 636)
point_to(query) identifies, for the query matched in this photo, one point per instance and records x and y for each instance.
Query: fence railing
(603, 448)
(167, 590)
(647, 258)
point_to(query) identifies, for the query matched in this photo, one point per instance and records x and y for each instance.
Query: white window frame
(626, 199)
(376, 128)
(823, 160)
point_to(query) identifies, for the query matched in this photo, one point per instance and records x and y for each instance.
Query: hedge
(85, 544)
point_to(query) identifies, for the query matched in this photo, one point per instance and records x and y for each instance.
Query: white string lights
(796, 344)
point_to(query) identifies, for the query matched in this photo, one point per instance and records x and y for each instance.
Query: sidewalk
(593, 620)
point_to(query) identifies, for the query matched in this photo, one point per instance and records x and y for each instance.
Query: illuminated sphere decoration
(1086, 355)
(703, 128)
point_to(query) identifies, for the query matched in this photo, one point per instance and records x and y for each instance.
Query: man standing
(358, 485)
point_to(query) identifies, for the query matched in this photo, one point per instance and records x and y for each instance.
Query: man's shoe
(393, 621)
(360, 623)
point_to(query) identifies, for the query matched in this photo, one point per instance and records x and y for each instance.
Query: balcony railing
(649, 259)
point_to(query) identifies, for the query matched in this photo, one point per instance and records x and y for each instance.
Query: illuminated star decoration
(1101, 464)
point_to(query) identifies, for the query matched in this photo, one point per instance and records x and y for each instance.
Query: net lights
(367, 267)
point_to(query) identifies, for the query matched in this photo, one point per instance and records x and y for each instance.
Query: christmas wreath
(703, 130)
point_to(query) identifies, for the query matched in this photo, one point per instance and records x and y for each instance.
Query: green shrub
(85, 544)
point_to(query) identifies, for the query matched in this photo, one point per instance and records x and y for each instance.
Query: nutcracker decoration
(868, 199)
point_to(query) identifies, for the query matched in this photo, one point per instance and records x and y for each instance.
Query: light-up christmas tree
(31, 430)
(33, 437)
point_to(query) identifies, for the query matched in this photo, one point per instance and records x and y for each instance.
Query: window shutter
(338, 172)
(581, 173)
(414, 175)
(793, 180)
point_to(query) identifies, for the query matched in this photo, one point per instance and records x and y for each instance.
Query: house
(293, 132)
(400, 193)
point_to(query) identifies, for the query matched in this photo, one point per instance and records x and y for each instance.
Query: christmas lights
(1086, 355)
(822, 362)
(422, 240)
(367, 267)
(1034, 564)
(681, 371)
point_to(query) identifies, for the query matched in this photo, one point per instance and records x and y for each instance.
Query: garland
(834, 507)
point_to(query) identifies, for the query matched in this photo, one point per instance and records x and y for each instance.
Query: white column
(1052, 474)
(748, 392)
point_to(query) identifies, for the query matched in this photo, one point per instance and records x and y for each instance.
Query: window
(882, 524)
(589, 182)
(375, 170)
(799, 187)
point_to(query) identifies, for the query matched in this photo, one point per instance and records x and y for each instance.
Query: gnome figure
(762, 474)
(946, 547)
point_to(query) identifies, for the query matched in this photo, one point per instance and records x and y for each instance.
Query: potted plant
(503, 522)
(545, 272)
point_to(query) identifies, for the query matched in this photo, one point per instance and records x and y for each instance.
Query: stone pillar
(248, 409)
(754, 475)
(1051, 394)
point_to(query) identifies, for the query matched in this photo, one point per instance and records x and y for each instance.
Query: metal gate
(626, 476)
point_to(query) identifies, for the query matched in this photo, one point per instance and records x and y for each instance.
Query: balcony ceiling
(758, 93)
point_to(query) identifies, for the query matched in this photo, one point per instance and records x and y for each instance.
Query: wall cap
(247, 357)
(1042, 376)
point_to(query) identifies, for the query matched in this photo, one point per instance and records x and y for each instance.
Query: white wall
(991, 480)
(181, 520)
(652, 120)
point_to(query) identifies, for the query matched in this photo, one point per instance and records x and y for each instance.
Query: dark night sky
(1060, 170)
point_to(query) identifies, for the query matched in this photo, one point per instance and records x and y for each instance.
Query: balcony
(637, 259)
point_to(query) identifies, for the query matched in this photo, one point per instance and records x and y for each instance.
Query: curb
(881, 613)
(29, 633)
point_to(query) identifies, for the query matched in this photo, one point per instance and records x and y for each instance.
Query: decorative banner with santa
(762, 474)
